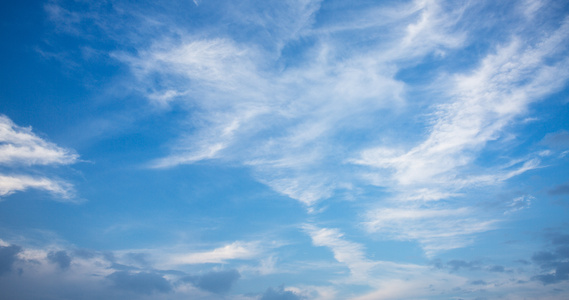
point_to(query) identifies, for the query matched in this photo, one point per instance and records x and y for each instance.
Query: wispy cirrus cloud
(346, 252)
(434, 228)
(321, 120)
(291, 120)
(21, 148)
(294, 116)
(480, 106)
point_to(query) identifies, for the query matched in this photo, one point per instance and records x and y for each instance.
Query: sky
(284, 150)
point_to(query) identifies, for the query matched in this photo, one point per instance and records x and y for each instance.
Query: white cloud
(436, 229)
(349, 253)
(290, 119)
(20, 148)
(236, 250)
(11, 184)
(519, 203)
(389, 280)
(296, 122)
(302, 122)
(316, 292)
(18, 145)
(88, 272)
(480, 106)
(530, 7)
(91, 273)
(431, 31)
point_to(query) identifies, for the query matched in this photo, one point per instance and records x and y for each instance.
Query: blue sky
(293, 149)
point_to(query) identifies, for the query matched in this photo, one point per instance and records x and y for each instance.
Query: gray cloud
(215, 282)
(561, 239)
(543, 257)
(562, 189)
(138, 258)
(553, 263)
(498, 269)
(61, 258)
(456, 265)
(122, 267)
(562, 252)
(84, 253)
(143, 282)
(437, 263)
(279, 294)
(522, 261)
(8, 255)
(561, 273)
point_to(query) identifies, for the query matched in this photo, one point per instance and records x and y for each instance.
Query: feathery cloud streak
(293, 118)
(290, 121)
(481, 105)
(321, 120)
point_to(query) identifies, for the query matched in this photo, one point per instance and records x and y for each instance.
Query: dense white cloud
(19, 145)
(11, 184)
(21, 148)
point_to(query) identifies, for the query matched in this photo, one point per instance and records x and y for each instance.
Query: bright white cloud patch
(20, 147)
(236, 250)
(12, 184)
